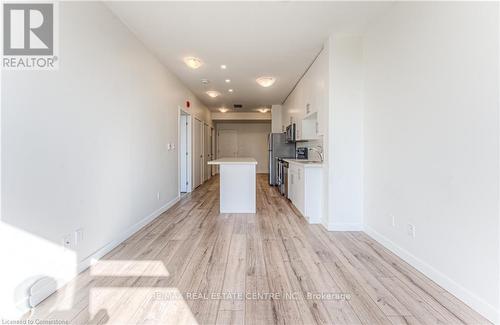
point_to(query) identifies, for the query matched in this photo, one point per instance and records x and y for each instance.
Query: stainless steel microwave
(290, 133)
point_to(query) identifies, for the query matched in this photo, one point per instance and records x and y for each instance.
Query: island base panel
(237, 188)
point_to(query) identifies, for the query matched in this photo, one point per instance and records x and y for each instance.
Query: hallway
(193, 264)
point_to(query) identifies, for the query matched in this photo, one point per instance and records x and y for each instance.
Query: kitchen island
(237, 184)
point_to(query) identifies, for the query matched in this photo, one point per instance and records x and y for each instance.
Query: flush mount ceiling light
(205, 81)
(213, 93)
(263, 110)
(192, 62)
(230, 90)
(266, 81)
(223, 109)
(223, 66)
(228, 81)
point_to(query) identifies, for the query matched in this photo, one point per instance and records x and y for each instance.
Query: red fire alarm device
(188, 104)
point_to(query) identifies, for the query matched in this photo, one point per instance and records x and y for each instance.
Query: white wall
(345, 134)
(84, 147)
(432, 142)
(252, 141)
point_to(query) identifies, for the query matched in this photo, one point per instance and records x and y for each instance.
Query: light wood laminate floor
(194, 265)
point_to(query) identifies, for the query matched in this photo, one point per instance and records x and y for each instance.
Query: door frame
(189, 148)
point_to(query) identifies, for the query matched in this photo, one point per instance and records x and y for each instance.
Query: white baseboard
(94, 257)
(471, 299)
(23, 303)
(344, 226)
(314, 221)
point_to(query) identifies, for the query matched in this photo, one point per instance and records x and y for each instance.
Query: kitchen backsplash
(309, 144)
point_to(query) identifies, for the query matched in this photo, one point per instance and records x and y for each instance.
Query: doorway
(184, 152)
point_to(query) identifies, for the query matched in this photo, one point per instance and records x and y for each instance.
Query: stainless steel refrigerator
(278, 148)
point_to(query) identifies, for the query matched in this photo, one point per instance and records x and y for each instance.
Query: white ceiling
(279, 39)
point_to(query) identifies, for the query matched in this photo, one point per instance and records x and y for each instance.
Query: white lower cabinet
(304, 189)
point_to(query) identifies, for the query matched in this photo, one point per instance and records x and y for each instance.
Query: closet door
(206, 152)
(198, 153)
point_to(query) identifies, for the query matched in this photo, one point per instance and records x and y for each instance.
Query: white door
(198, 153)
(207, 146)
(228, 144)
(184, 153)
(212, 150)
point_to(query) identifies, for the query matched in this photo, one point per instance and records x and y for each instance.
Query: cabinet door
(292, 179)
(299, 190)
(308, 94)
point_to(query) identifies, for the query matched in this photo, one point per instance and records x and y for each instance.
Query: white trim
(92, 259)
(316, 221)
(344, 226)
(444, 281)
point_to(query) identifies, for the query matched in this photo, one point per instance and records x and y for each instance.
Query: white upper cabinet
(307, 105)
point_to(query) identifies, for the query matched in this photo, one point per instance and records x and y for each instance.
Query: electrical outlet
(393, 221)
(67, 241)
(78, 237)
(410, 230)
(173, 146)
(169, 146)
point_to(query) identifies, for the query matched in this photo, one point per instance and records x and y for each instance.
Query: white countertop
(305, 163)
(233, 161)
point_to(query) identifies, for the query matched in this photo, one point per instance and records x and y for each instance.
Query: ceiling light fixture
(265, 81)
(213, 93)
(192, 62)
(223, 66)
(263, 110)
(223, 109)
(228, 81)
(230, 90)
(205, 81)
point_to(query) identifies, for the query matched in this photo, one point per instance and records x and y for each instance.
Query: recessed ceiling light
(223, 109)
(230, 90)
(266, 81)
(213, 93)
(263, 110)
(192, 62)
(228, 81)
(223, 66)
